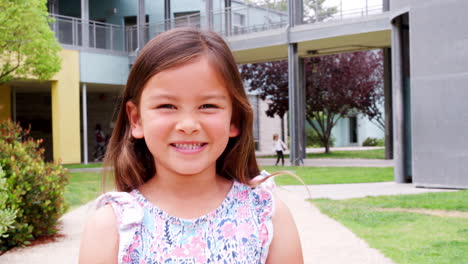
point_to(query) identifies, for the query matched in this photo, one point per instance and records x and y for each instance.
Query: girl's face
(185, 118)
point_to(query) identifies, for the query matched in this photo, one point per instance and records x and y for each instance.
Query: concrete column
(167, 14)
(85, 24)
(5, 102)
(388, 112)
(227, 17)
(141, 20)
(295, 12)
(401, 152)
(66, 109)
(385, 5)
(209, 13)
(84, 115)
(296, 89)
(296, 106)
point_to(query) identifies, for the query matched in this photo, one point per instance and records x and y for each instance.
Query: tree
(314, 10)
(28, 48)
(271, 81)
(377, 117)
(336, 86)
(280, 5)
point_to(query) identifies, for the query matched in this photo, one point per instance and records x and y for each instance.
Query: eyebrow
(163, 96)
(213, 96)
(203, 97)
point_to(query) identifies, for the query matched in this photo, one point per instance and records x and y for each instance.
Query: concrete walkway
(333, 162)
(324, 240)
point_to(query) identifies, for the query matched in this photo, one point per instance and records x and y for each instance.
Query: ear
(134, 119)
(233, 131)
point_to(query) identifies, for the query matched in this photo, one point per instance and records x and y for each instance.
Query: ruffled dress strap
(129, 213)
(264, 204)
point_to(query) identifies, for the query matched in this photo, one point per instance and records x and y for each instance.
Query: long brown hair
(129, 159)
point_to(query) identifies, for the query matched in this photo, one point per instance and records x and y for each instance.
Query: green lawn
(81, 166)
(408, 237)
(331, 175)
(83, 187)
(352, 154)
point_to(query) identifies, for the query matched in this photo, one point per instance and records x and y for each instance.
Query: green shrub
(373, 142)
(34, 188)
(381, 142)
(7, 215)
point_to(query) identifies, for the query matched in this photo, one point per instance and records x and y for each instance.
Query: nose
(188, 124)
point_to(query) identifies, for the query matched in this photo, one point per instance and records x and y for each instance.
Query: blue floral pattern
(238, 231)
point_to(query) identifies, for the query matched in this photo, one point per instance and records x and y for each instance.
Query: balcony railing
(69, 31)
(234, 21)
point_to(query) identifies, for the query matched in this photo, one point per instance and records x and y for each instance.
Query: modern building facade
(426, 65)
(100, 41)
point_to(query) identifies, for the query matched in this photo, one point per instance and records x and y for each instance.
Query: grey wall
(439, 92)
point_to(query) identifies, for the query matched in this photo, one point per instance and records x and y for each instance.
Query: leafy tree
(270, 79)
(280, 5)
(28, 48)
(336, 86)
(314, 10)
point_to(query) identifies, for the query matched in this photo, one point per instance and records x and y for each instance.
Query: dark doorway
(353, 130)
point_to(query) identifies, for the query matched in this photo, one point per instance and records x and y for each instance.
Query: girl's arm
(100, 240)
(284, 145)
(286, 245)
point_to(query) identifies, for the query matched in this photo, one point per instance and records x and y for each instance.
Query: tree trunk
(327, 147)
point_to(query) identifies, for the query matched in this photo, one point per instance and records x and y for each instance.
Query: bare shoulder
(100, 240)
(286, 245)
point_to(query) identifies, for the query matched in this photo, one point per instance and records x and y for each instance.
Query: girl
(182, 154)
(279, 147)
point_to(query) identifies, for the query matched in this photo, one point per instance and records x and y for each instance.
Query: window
(238, 23)
(187, 19)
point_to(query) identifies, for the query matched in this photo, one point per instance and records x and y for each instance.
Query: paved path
(334, 162)
(324, 240)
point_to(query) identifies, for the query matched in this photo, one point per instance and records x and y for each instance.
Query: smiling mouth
(185, 146)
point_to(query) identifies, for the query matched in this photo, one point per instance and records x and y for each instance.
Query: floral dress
(240, 230)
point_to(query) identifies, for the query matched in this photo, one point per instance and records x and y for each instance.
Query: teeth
(188, 146)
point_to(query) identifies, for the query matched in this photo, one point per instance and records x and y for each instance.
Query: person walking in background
(99, 143)
(279, 147)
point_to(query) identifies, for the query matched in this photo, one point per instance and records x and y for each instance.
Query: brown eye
(166, 106)
(207, 106)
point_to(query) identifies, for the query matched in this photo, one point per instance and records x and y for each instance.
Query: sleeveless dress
(240, 230)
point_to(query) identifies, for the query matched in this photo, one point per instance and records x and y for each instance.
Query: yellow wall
(5, 102)
(66, 109)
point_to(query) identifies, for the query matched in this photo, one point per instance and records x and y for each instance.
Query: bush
(7, 215)
(373, 142)
(34, 188)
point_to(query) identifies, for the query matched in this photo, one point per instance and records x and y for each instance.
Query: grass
(86, 186)
(83, 187)
(332, 175)
(351, 154)
(407, 237)
(81, 166)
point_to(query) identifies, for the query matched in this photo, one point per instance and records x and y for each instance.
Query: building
(426, 61)
(100, 40)
(426, 71)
